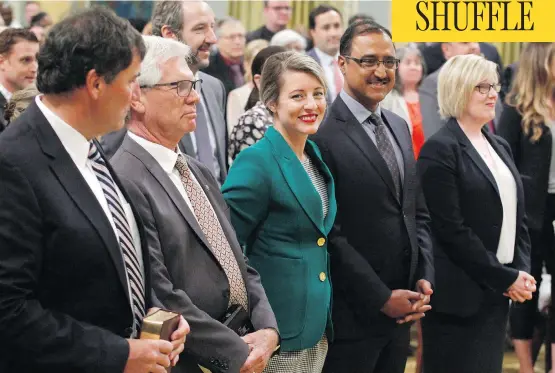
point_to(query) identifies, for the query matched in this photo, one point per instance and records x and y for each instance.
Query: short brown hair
(11, 36)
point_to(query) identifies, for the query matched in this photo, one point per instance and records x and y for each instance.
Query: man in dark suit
(226, 63)
(182, 20)
(277, 14)
(18, 64)
(381, 247)
(435, 58)
(74, 270)
(189, 274)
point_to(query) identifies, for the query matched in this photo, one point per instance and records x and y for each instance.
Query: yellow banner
(473, 20)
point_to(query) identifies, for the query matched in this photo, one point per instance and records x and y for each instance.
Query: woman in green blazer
(282, 203)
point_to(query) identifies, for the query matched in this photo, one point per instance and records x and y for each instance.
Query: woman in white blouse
(237, 99)
(481, 244)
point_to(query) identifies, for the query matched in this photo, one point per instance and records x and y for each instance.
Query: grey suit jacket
(186, 276)
(215, 98)
(312, 53)
(429, 106)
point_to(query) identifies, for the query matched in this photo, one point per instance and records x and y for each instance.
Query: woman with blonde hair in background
(237, 98)
(528, 125)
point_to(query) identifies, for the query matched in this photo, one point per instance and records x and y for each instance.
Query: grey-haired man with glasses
(198, 268)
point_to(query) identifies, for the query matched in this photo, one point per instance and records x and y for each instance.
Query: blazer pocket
(284, 281)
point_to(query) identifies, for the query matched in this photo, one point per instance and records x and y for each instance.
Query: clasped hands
(154, 356)
(521, 290)
(406, 305)
(262, 345)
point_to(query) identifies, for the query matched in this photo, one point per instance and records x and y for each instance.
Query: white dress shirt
(77, 146)
(507, 192)
(167, 158)
(327, 64)
(7, 94)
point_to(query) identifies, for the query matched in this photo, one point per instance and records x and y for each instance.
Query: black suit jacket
(220, 70)
(379, 243)
(433, 56)
(64, 303)
(467, 214)
(533, 160)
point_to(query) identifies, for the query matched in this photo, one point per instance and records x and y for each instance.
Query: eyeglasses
(184, 87)
(484, 88)
(390, 63)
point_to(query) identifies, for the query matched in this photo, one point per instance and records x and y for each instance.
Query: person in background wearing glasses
(381, 259)
(226, 63)
(198, 268)
(277, 14)
(481, 244)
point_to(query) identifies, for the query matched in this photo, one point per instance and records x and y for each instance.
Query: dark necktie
(205, 153)
(385, 147)
(237, 75)
(125, 239)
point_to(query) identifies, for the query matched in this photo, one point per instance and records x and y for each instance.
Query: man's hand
(262, 344)
(178, 340)
(400, 303)
(420, 306)
(521, 290)
(148, 356)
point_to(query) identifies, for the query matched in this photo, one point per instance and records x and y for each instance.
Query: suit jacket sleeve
(371, 293)
(522, 258)
(209, 339)
(438, 170)
(53, 340)
(431, 121)
(423, 233)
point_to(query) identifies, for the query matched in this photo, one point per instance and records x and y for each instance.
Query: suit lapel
(471, 152)
(297, 178)
(353, 129)
(158, 173)
(77, 188)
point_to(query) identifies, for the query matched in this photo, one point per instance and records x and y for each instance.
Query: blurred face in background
(296, 46)
(198, 31)
(410, 69)
(31, 9)
(327, 32)
(232, 40)
(19, 66)
(458, 49)
(278, 14)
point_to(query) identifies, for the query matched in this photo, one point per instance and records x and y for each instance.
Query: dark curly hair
(92, 39)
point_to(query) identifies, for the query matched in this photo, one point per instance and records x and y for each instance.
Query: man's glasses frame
(373, 63)
(184, 87)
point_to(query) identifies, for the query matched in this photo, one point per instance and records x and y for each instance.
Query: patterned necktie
(130, 259)
(214, 233)
(385, 147)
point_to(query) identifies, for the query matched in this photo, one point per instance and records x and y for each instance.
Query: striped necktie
(132, 267)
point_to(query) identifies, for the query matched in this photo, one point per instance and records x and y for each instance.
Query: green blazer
(277, 214)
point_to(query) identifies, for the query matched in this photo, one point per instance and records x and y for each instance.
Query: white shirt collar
(325, 59)
(73, 141)
(7, 94)
(165, 157)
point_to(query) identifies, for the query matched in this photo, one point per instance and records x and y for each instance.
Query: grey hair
(224, 21)
(167, 13)
(286, 37)
(277, 65)
(158, 51)
(401, 53)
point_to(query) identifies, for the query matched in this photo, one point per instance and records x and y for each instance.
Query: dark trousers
(374, 354)
(525, 316)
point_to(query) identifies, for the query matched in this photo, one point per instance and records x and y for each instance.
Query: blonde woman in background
(237, 98)
(19, 102)
(527, 123)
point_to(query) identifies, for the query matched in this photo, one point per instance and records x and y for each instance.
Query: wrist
(277, 339)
